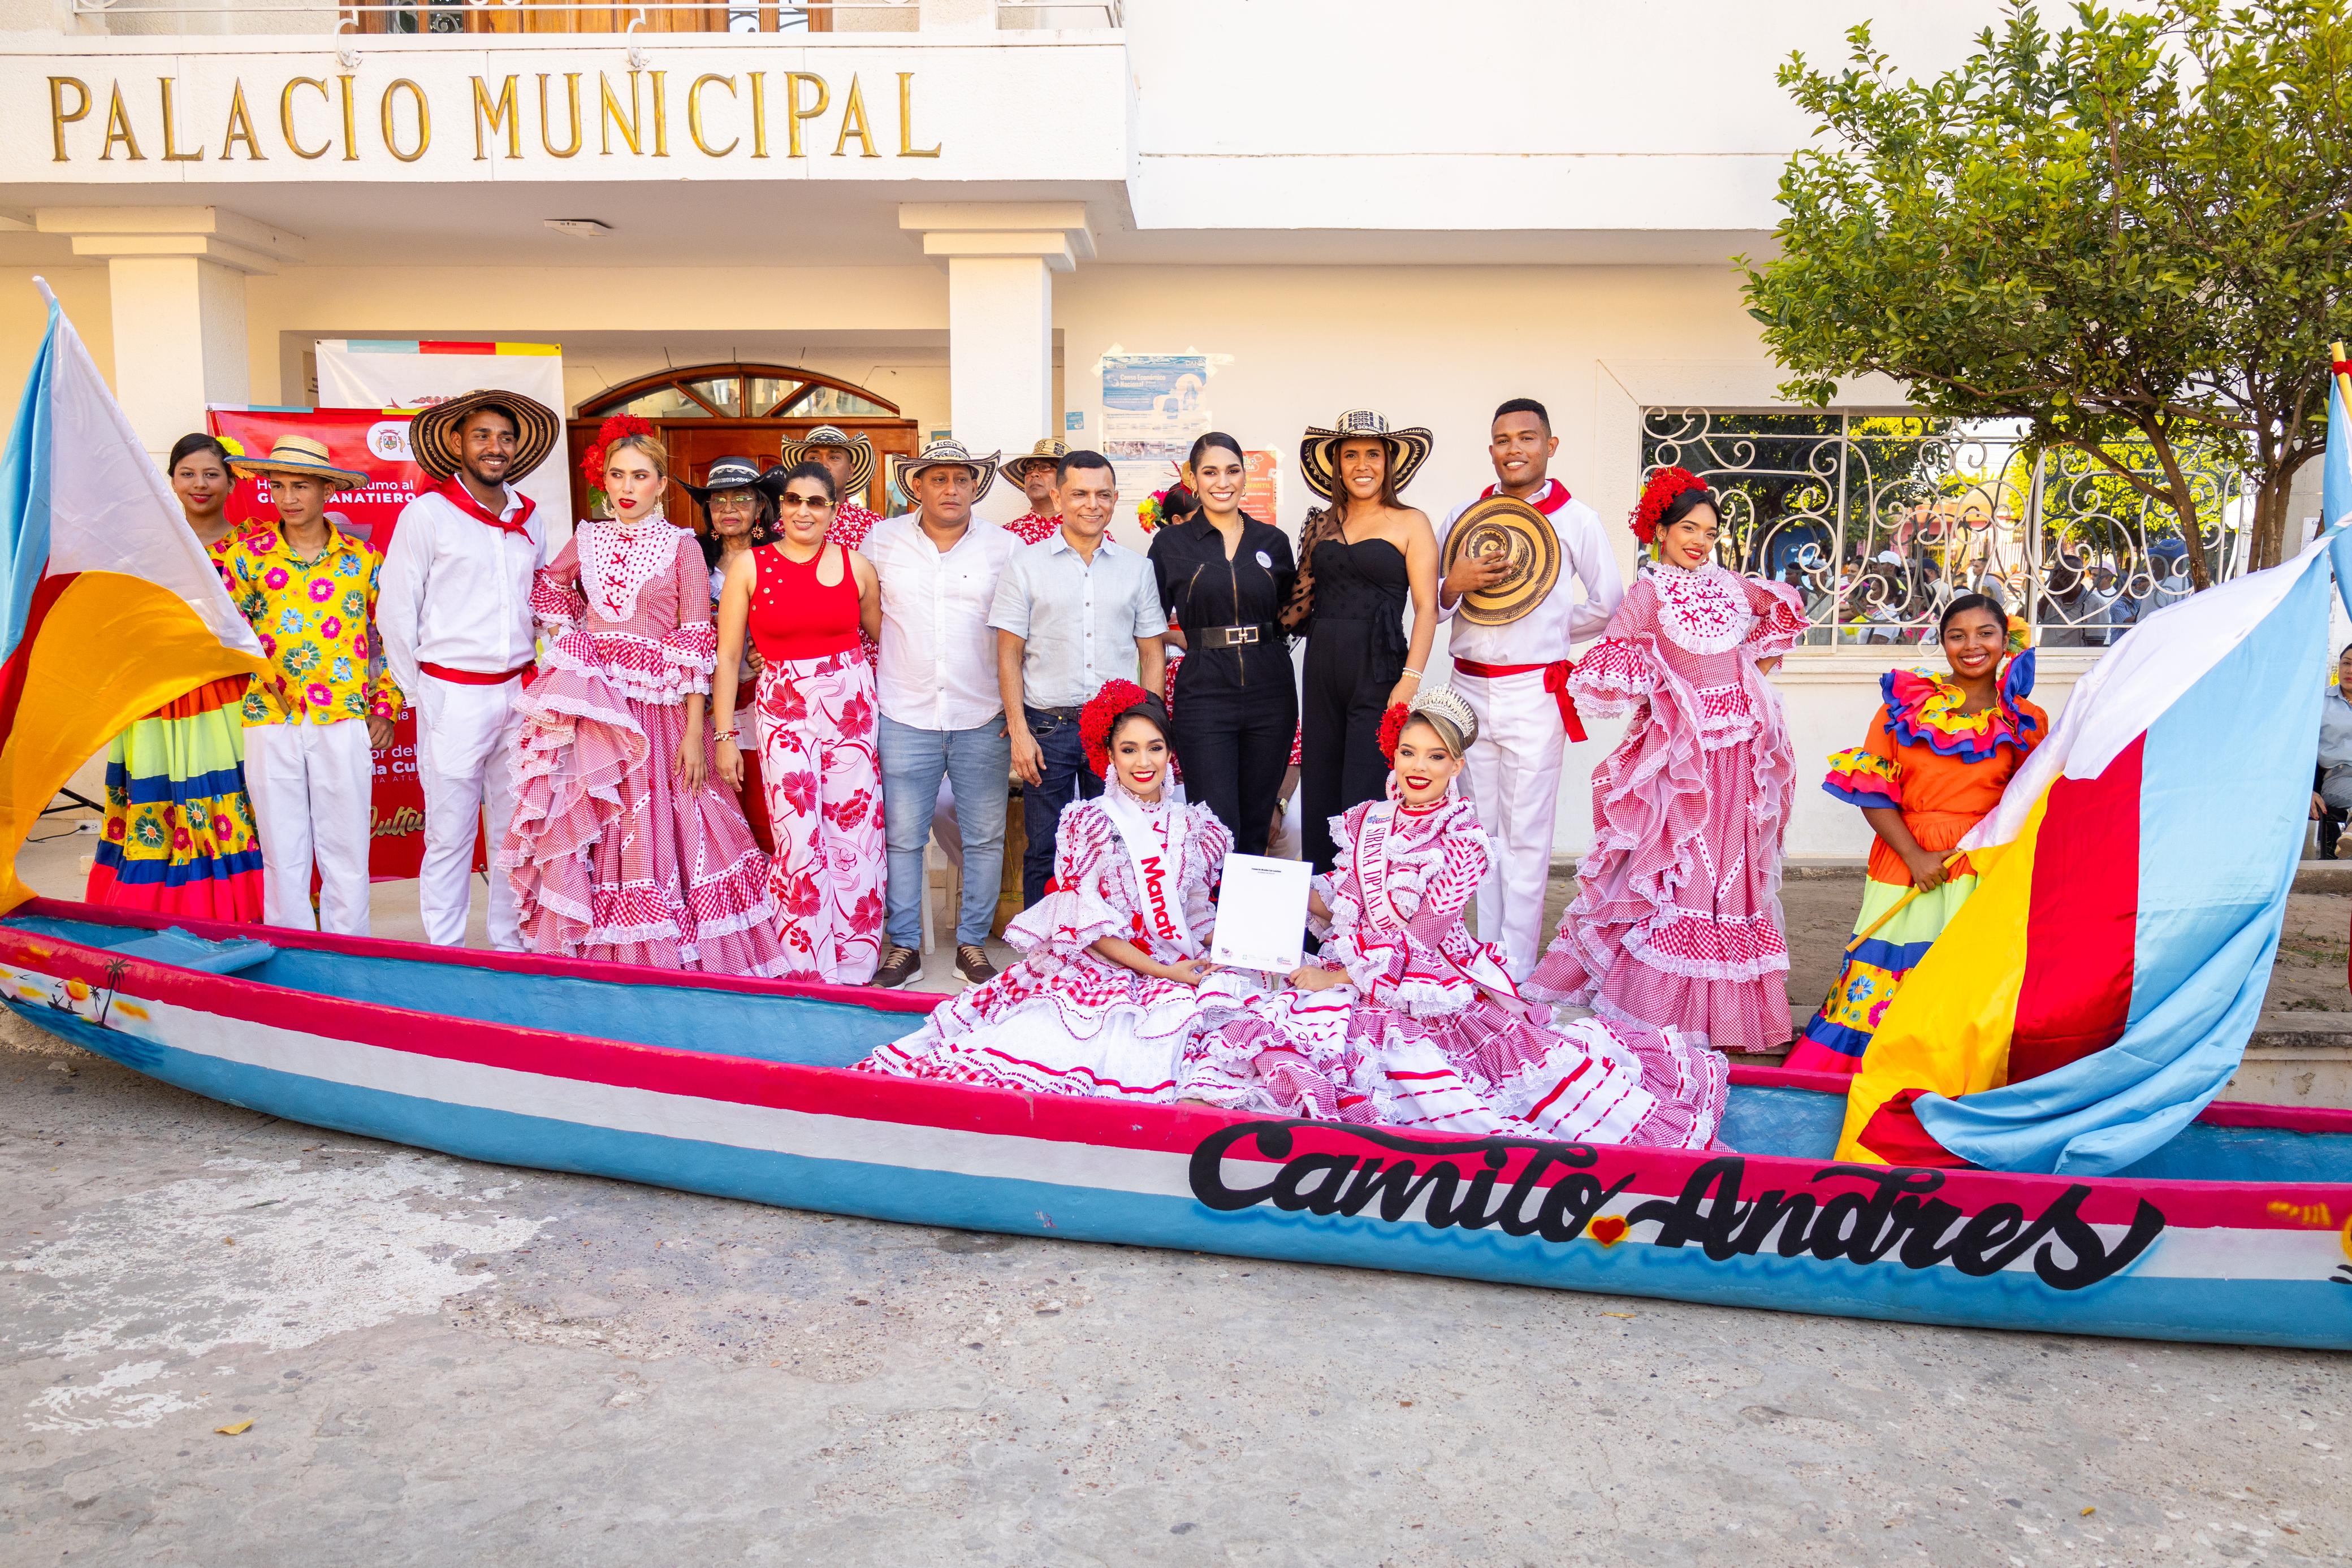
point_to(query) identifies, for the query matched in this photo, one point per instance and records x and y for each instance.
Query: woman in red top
(804, 602)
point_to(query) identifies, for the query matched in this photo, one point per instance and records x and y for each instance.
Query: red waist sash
(472, 677)
(1555, 676)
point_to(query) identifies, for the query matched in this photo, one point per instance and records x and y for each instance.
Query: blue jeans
(978, 765)
(1065, 778)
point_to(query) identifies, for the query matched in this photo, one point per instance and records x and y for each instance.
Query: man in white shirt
(454, 611)
(1515, 677)
(942, 716)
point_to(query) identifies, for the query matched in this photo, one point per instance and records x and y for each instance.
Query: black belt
(1230, 636)
(1071, 715)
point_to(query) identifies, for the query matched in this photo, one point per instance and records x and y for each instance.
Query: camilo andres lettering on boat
(1862, 1213)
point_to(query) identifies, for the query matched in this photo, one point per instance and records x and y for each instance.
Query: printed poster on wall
(372, 373)
(1153, 407)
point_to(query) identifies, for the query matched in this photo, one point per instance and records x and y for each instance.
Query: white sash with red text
(1156, 856)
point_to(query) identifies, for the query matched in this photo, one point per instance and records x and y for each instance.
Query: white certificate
(1262, 914)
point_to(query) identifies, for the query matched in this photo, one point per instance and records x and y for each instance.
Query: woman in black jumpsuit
(1363, 559)
(1223, 579)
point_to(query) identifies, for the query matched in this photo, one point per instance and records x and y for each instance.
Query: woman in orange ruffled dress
(1941, 751)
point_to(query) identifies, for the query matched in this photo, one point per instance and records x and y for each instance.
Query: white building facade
(959, 211)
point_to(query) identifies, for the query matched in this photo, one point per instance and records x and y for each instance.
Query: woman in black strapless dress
(1363, 560)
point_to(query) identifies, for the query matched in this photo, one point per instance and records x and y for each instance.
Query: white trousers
(465, 739)
(311, 785)
(1514, 777)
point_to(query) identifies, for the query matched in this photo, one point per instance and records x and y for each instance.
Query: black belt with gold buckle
(1230, 636)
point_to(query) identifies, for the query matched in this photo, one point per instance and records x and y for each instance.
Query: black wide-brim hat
(432, 434)
(735, 473)
(1408, 450)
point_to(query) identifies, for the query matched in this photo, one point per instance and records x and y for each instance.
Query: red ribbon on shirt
(1554, 499)
(1555, 676)
(453, 490)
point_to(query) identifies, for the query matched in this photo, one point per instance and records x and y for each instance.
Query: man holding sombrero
(1509, 556)
(1036, 472)
(458, 634)
(313, 718)
(851, 459)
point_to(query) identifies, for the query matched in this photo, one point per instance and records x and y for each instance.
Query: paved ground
(449, 1363)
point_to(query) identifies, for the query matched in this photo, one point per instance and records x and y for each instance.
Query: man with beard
(454, 611)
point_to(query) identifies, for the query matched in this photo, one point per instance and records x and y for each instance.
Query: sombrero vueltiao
(860, 450)
(947, 454)
(1408, 450)
(1048, 452)
(1525, 540)
(432, 434)
(301, 457)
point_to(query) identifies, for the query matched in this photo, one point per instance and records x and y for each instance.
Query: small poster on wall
(1153, 407)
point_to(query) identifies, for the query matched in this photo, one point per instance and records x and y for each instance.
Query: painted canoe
(2239, 1231)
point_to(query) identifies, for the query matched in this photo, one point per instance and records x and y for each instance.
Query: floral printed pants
(825, 801)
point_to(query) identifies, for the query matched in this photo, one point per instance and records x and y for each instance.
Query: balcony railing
(414, 16)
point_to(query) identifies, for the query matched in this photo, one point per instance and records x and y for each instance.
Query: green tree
(2134, 234)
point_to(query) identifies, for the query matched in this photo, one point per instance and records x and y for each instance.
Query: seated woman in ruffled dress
(1677, 919)
(624, 847)
(1105, 1000)
(1939, 753)
(1406, 1020)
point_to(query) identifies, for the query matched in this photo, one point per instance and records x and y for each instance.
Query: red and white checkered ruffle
(688, 656)
(616, 563)
(1614, 678)
(1411, 956)
(1700, 945)
(556, 603)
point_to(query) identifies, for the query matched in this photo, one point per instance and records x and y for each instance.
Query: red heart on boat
(1609, 1229)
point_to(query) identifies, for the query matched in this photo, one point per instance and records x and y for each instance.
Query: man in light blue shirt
(1073, 610)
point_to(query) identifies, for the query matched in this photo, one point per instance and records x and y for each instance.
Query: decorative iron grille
(1879, 519)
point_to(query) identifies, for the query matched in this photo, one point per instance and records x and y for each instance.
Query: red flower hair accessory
(1392, 725)
(592, 462)
(1102, 711)
(1657, 495)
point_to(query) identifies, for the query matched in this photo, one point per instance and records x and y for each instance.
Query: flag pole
(1949, 860)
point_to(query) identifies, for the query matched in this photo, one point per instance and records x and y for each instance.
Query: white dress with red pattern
(1676, 920)
(1031, 529)
(611, 855)
(1428, 1030)
(1065, 1020)
(851, 523)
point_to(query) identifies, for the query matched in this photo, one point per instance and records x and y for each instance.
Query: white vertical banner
(359, 372)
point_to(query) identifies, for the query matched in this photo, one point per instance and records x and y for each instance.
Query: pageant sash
(1372, 864)
(1156, 860)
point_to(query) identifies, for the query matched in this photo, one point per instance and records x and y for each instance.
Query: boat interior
(810, 1032)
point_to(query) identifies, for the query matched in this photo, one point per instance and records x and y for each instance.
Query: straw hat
(860, 450)
(432, 434)
(1408, 450)
(303, 457)
(1048, 452)
(947, 454)
(1528, 544)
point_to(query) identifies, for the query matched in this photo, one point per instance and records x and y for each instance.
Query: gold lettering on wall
(240, 129)
(285, 117)
(627, 125)
(907, 148)
(571, 94)
(172, 153)
(117, 129)
(694, 116)
(611, 119)
(795, 114)
(424, 121)
(60, 118)
(501, 115)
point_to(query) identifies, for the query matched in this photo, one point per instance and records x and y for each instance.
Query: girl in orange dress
(1939, 753)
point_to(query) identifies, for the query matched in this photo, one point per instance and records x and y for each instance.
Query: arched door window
(704, 412)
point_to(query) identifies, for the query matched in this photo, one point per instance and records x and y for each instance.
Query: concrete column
(177, 279)
(1001, 258)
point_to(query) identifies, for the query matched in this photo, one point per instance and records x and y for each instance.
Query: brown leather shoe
(973, 965)
(899, 965)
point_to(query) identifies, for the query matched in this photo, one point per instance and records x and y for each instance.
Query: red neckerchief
(1554, 498)
(453, 490)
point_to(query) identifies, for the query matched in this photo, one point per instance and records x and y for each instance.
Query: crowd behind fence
(1880, 519)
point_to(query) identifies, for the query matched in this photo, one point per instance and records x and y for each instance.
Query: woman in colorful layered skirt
(1676, 920)
(1406, 1020)
(810, 606)
(1938, 755)
(1106, 999)
(179, 836)
(624, 847)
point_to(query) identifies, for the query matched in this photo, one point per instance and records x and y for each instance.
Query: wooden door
(695, 444)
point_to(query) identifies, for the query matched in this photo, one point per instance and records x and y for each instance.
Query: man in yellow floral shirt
(308, 589)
